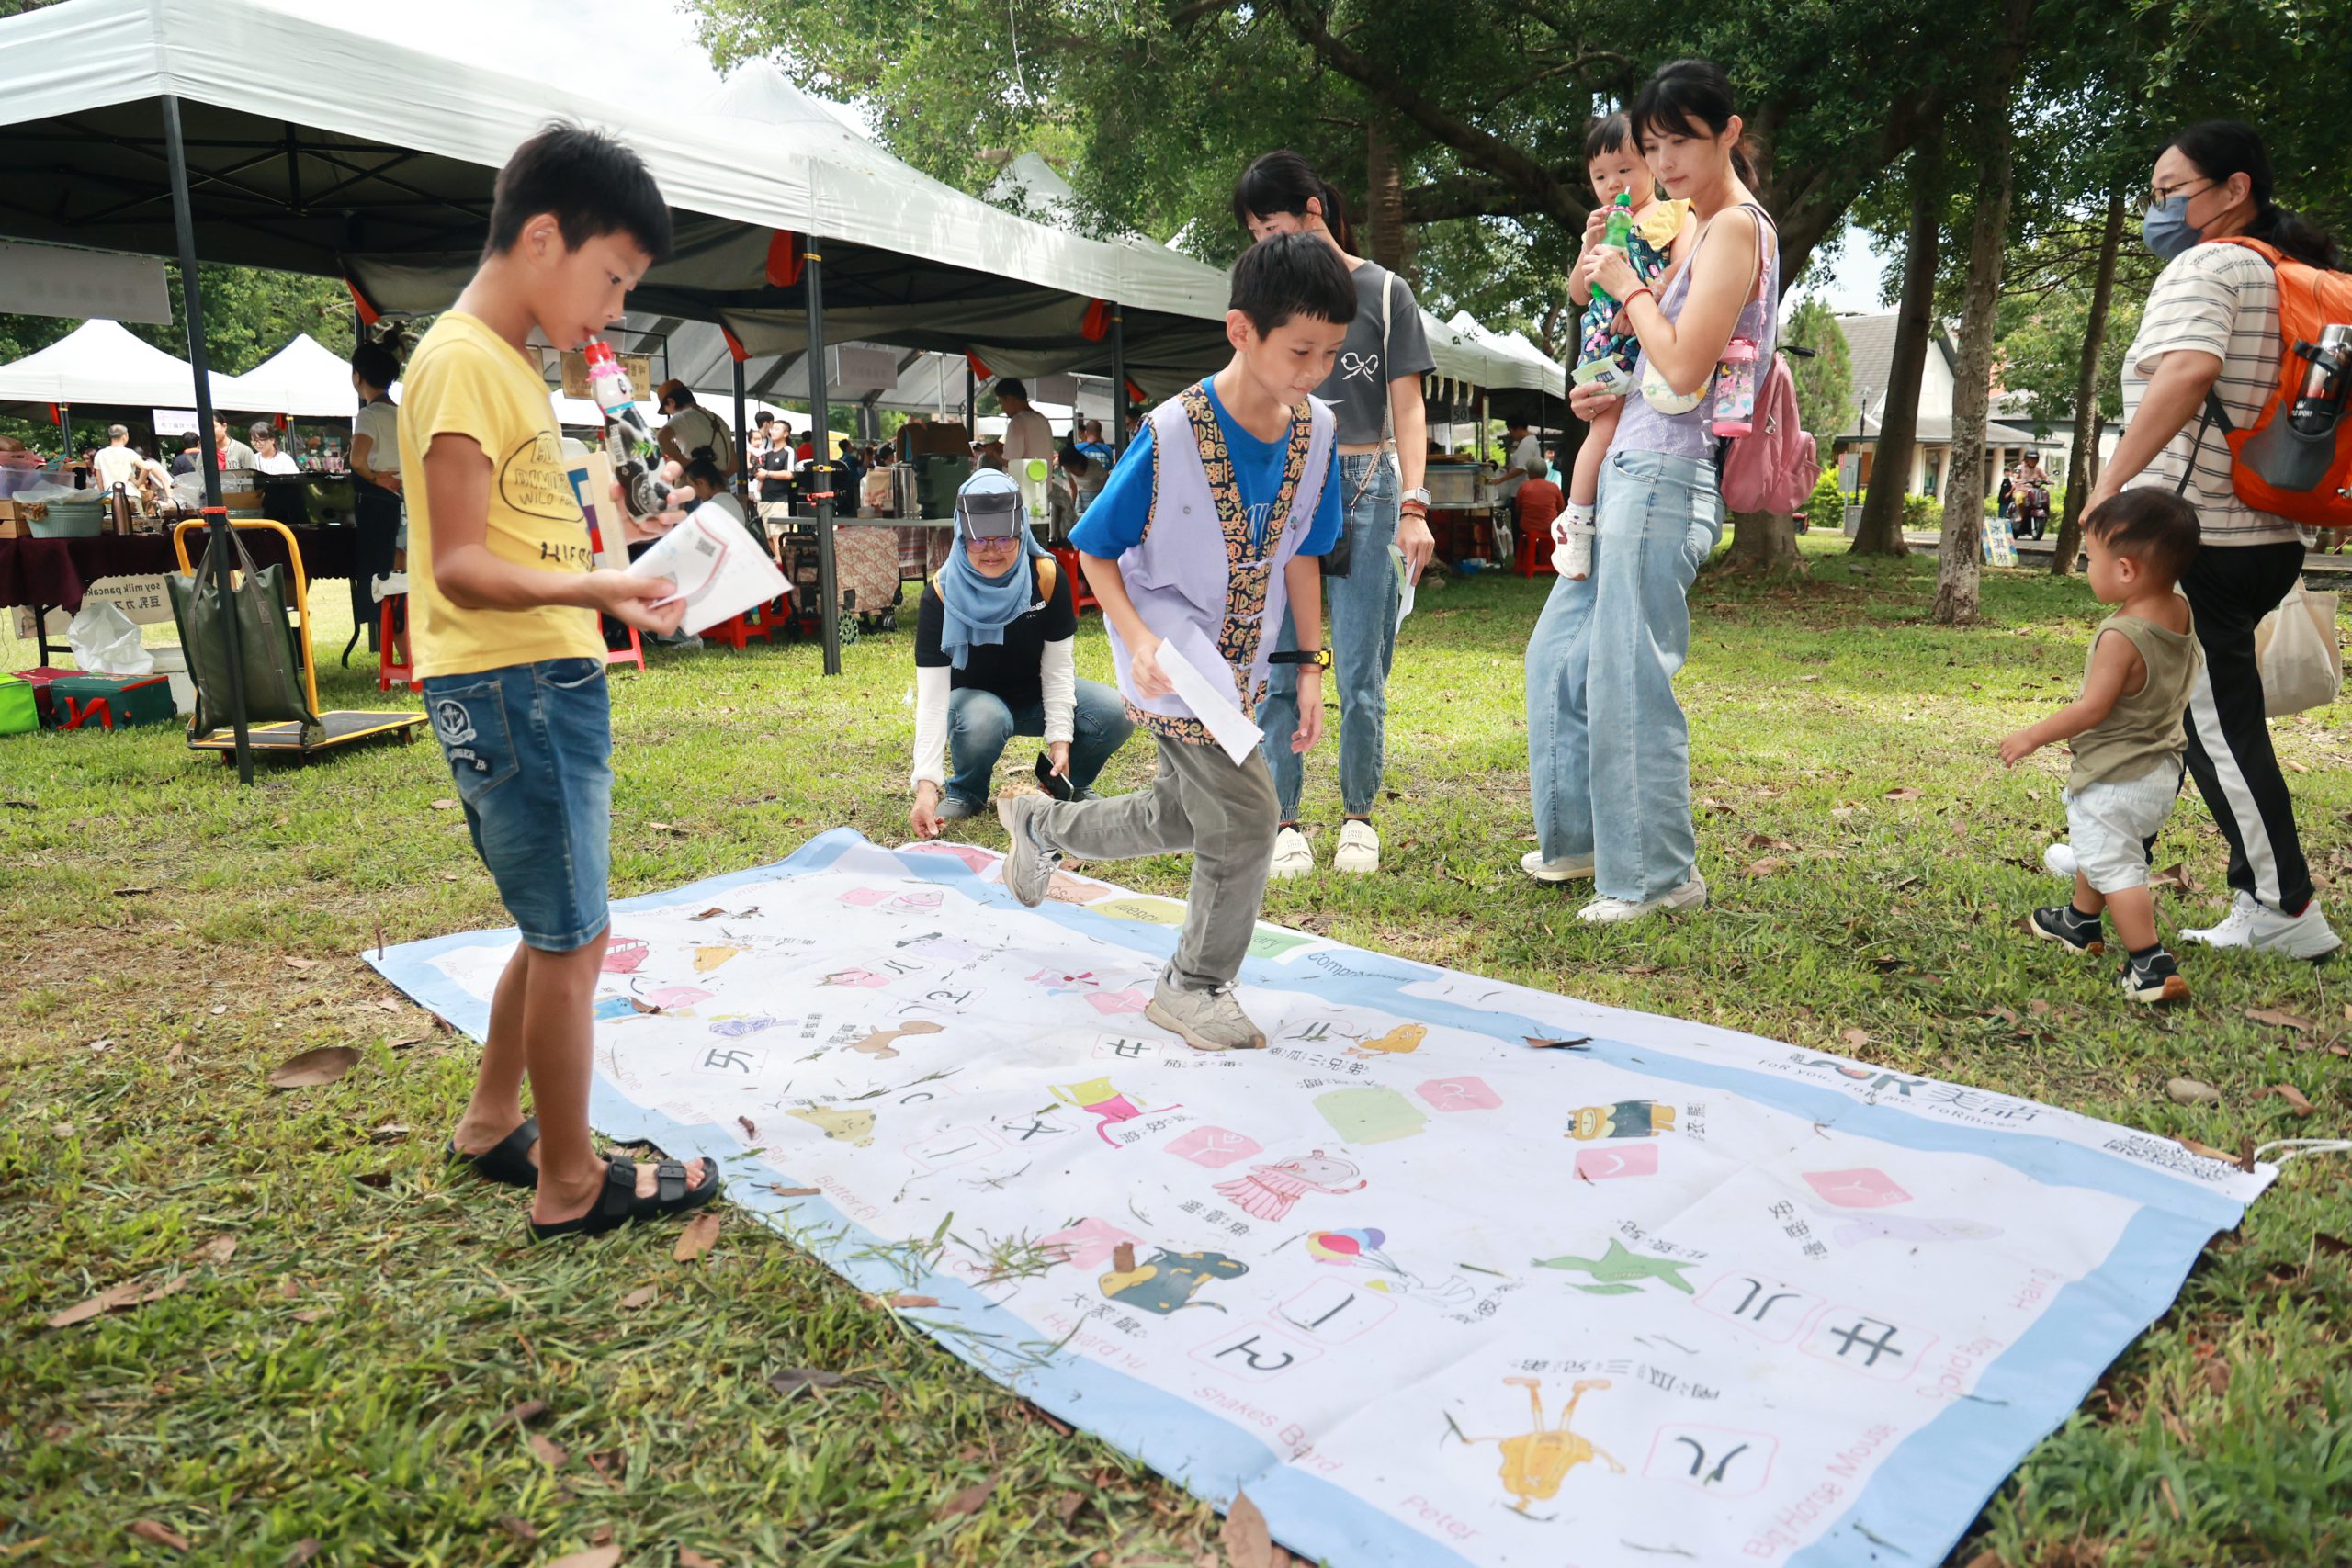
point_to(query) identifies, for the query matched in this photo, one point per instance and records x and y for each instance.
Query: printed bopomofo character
(1269, 1190)
(1626, 1118)
(1169, 1282)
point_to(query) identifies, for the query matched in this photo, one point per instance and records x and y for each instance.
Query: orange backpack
(2295, 460)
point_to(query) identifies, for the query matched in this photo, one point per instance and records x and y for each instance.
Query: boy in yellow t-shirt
(503, 600)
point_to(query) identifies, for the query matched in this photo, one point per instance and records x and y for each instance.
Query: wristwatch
(1320, 658)
(1415, 493)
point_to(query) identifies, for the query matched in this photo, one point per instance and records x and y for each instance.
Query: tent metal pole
(184, 221)
(740, 482)
(1118, 441)
(820, 444)
(971, 403)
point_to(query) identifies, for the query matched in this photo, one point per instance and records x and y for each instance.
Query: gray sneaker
(1029, 866)
(955, 808)
(1207, 1021)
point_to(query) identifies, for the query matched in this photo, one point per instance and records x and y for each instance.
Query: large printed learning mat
(1455, 1272)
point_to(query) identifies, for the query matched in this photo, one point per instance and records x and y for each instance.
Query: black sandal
(618, 1205)
(509, 1159)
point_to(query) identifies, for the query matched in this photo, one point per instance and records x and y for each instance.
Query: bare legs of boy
(540, 1024)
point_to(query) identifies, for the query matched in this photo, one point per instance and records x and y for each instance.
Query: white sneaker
(1568, 868)
(1358, 850)
(2059, 860)
(1690, 896)
(1293, 857)
(2255, 926)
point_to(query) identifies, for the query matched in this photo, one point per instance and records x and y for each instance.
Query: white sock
(1580, 516)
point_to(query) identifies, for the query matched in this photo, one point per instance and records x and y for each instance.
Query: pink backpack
(1774, 466)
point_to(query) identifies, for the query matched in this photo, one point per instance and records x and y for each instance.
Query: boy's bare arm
(2116, 668)
(1303, 577)
(456, 481)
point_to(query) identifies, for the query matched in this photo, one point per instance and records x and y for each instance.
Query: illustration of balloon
(1348, 1248)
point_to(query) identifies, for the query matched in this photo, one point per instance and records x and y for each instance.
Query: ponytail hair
(1690, 97)
(2221, 148)
(1282, 182)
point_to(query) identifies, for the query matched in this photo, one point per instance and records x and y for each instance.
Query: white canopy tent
(100, 365)
(304, 380)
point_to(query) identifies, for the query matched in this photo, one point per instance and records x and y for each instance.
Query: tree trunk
(1384, 199)
(1880, 532)
(1960, 568)
(1761, 541)
(2083, 470)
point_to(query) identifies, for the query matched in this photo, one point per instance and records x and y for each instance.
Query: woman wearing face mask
(1609, 754)
(994, 658)
(2212, 327)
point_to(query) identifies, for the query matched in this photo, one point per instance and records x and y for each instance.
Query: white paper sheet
(720, 569)
(1209, 695)
(1404, 585)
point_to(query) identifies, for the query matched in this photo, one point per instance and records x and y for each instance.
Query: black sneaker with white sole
(2070, 927)
(2154, 976)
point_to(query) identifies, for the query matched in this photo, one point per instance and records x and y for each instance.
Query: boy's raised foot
(1029, 866)
(2069, 928)
(2154, 976)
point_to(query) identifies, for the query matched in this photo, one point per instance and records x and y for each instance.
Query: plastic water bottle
(1619, 233)
(1735, 388)
(607, 382)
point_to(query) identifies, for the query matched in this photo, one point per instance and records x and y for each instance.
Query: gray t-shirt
(1357, 389)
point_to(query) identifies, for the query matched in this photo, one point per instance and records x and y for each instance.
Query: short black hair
(1009, 387)
(190, 441)
(707, 471)
(2152, 525)
(375, 364)
(261, 430)
(1607, 134)
(765, 419)
(1284, 275)
(591, 182)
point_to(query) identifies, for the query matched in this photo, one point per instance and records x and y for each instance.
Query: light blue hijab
(977, 608)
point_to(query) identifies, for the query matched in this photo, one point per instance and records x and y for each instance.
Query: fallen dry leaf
(132, 892)
(2292, 1096)
(594, 1557)
(970, 1500)
(549, 1450)
(794, 1191)
(1767, 866)
(522, 1415)
(2279, 1017)
(220, 1249)
(1247, 1542)
(2175, 876)
(312, 1068)
(1573, 1043)
(390, 1004)
(1904, 793)
(902, 1299)
(300, 963)
(2208, 1150)
(670, 827)
(129, 1293)
(313, 1314)
(148, 1529)
(700, 1235)
(750, 1131)
(689, 1558)
(792, 1379)
(518, 1526)
(710, 914)
(388, 1133)
(2335, 1246)
(444, 806)
(642, 1296)
(405, 1041)
(1066, 1504)
(305, 1550)
(2294, 765)
(1856, 1038)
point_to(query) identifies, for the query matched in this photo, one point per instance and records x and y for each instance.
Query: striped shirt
(2221, 301)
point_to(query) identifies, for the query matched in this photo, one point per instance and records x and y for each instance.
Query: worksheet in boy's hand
(719, 569)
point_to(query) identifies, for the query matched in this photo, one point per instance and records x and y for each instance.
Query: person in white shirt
(375, 472)
(267, 457)
(1026, 434)
(118, 462)
(692, 431)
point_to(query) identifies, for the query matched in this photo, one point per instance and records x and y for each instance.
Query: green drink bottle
(1619, 233)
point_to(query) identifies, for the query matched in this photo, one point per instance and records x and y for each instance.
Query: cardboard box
(927, 440)
(638, 367)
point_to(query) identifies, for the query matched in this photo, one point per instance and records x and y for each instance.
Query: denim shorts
(531, 749)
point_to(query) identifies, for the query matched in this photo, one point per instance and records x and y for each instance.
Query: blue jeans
(980, 724)
(1609, 758)
(1360, 629)
(531, 749)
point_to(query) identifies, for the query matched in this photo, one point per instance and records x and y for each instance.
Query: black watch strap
(1319, 657)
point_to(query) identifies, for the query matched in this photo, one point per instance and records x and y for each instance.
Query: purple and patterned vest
(1196, 565)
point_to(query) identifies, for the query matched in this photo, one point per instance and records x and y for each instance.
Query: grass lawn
(362, 1370)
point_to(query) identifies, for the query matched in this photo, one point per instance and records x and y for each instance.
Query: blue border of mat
(1919, 1500)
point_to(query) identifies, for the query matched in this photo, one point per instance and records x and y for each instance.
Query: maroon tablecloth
(56, 573)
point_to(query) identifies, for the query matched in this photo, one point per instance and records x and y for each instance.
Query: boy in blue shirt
(1206, 532)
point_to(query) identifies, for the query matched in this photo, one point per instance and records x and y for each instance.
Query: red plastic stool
(633, 654)
(1081, 596)
(391, 630)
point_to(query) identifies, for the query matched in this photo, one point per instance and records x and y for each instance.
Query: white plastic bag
(2295, 647)
(106, 642)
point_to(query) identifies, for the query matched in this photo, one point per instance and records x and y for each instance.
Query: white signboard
(176, 422)
(57, 280)
(858, 368)
(143, 599)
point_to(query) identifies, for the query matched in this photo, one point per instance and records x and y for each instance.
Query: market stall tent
(100, 365)
(305, 379)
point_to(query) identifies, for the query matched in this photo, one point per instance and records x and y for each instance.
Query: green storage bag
(269, 644)
(19, 712)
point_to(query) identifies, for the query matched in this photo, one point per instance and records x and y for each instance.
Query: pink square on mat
(1459, 1094)
(1863, 1189)
(1116, 1001)
(1607, 1164)
(1214, 1146)
(865, 897)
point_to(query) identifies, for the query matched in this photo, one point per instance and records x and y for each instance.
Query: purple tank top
(1642, 428)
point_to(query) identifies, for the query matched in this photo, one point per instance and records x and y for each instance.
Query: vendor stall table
(45, 574)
